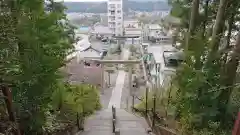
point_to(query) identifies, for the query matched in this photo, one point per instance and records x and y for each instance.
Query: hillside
(101, 7)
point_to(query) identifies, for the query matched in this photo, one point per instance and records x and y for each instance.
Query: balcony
(111, 7)
(111, 12)
(112, 18)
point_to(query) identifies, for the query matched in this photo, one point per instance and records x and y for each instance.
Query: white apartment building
(115, 16)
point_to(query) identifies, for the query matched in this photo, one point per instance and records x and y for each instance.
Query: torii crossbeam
(102, 62)
(117, 61)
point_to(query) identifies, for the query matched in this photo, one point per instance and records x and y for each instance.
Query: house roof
(90, 53)
(82, 44)
(90, 48)
(133, 32)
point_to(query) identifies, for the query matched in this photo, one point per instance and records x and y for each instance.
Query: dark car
(103, 54)
(104, 40)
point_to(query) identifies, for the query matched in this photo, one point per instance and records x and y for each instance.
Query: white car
(173, 58)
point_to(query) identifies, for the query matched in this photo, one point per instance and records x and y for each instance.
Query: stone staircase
(127, 123)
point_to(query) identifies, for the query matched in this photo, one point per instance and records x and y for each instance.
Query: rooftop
(133, 31)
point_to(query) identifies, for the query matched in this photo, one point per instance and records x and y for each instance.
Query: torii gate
(102, 62)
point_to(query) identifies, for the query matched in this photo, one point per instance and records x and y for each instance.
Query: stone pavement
(128, 123)
(117, 90)
(101, 123)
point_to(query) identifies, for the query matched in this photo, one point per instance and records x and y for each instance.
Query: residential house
(133, 28)
(151, 29)
(89, 53)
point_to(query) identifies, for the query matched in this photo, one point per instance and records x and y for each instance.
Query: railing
(115, 130)
(151, 118)
(113, 119)
(151, 114)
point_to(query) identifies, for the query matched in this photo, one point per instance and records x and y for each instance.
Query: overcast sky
(83, 0)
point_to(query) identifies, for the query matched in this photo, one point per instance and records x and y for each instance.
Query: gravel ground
(75, 73)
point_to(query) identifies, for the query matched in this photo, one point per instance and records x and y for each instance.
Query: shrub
(68, 101)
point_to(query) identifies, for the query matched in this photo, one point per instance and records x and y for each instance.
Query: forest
(203, 97)
(35, 38)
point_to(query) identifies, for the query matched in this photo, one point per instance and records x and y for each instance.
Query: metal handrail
(113, 119)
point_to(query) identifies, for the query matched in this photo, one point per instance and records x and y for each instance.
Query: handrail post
(114, 125)
(114, 112)
(146, 104)
(113, 119)
(154, 112)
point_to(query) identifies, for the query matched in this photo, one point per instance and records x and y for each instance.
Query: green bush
(82, 98)
(68, 101)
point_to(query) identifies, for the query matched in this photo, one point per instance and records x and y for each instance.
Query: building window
(119, 17)
(112, 6)
(119, 11)
(119, 5)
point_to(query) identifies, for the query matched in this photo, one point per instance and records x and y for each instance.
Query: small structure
(90, 71)
(133, 28)
(160, 36)
(89, 53)
(145, 47)
(151, 28)
(132, 24)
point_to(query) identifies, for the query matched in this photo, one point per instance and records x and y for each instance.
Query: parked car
(103, 54)
(105, 39)
(173, 58)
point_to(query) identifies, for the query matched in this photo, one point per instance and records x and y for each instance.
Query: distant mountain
(101, 7)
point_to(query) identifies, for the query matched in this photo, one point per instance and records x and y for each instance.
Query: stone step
(101, 123)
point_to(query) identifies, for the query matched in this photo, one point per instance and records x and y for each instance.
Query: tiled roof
(90, 52)
(133, 32)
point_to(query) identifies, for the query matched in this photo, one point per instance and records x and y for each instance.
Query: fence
(151, 114)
